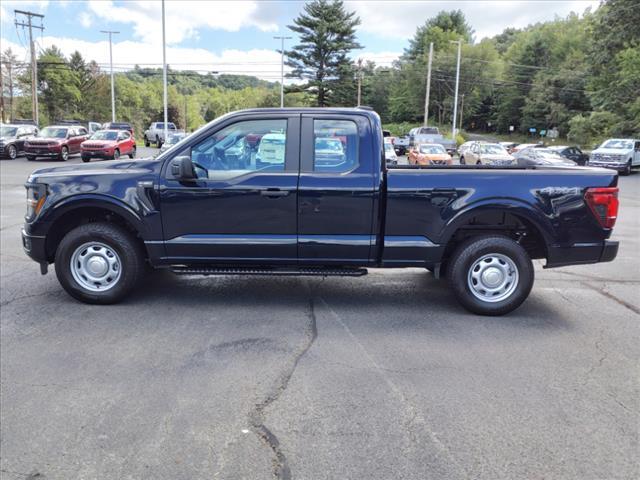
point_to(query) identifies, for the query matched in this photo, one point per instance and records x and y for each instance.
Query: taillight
(603, 202)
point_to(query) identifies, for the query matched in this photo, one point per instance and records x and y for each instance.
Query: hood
(434, 156)
(38, 140)
(113, 167)
(498, 158)
(612, 151)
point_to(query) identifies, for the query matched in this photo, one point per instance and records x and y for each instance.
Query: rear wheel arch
(517, 224)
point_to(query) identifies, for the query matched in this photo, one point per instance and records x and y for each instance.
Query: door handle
(274, 192)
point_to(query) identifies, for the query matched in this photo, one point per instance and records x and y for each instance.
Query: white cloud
(8, 6)
(184, 18)
(399, 19)
(86, 20)
(382, 59)
(261, 63)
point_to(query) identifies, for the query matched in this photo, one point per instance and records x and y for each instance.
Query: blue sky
(237, 36)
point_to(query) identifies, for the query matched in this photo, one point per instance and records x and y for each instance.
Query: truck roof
(314, 110)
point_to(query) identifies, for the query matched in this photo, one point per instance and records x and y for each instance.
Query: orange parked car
(429, 154)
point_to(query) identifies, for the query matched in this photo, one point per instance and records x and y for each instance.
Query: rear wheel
(490, 275)
(99, 263)
(146, 142)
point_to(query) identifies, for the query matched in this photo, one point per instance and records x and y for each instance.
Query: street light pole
(282, 39)
(455, 100)
(113, 90)
(426, 96)
(164, 78)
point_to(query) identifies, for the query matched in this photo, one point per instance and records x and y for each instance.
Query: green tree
(327, 36)
(58, 85)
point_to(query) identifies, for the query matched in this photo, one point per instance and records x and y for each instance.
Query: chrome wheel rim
(96, 267)
(493, 277)
(13, 152)
(64, 154)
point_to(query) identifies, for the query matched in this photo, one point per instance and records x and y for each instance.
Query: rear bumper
(582, 253)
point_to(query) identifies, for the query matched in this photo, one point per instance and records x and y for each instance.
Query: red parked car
(55, 141)
(109, 145)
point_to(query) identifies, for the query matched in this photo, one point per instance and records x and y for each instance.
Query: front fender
(56, 211)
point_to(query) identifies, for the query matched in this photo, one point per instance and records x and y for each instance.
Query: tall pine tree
(327, 36)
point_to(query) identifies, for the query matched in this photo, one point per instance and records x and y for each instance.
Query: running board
(302, 271)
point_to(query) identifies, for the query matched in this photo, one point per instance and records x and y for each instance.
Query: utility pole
(34, 63)
(113, 89)
(455, 99)
(164, 77)
(282, 39)
(359, 81)
(461, 110)
(426, 97)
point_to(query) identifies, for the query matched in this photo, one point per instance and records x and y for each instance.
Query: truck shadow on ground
(408, 300)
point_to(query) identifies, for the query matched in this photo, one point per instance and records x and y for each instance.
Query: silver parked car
(481, 153)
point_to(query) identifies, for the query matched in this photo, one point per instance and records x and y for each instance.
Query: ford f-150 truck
(194, 211)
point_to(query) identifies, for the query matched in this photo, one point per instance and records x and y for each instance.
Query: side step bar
(302, 271)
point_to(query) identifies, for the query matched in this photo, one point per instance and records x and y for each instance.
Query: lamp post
(282, 39)
(455, 100)
(113, 89)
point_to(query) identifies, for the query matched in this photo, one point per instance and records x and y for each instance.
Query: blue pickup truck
(320, 200)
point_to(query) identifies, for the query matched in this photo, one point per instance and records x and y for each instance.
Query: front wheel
(116, 154)
(490, 275)
(462, 160)
(132, 155)
(64, 154)
(99, 263)
(627, 169)
(12, 152)
(146, 142)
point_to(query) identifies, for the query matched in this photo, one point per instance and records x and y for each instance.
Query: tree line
(579, 74)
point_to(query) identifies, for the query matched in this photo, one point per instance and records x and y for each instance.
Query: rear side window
(335, 146)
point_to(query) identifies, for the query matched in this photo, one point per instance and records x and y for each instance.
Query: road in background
(379, 377)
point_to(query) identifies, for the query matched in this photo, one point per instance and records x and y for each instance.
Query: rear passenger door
(336, 190)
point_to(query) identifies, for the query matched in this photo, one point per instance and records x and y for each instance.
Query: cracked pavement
(380, 377)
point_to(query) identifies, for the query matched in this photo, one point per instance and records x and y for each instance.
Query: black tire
(627, 169)
(64, 154)
(116, 154)
(30, 158)
(158, 142)
(114, 237)
(474, 249)
(12, 152)
(146, 142)
(85, 159)
(132, 155)
(462, 161)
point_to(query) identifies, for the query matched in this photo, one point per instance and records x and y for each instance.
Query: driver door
(237, 210)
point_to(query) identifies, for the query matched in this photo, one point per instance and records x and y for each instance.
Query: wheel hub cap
(95, 266)
(493, 277)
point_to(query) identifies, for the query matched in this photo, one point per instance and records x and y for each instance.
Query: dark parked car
(571, 153)
(118, 126)
(532, 156)
(56, 141)
(12, 138)
(193, 211)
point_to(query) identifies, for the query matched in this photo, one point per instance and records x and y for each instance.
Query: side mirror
(182, 168)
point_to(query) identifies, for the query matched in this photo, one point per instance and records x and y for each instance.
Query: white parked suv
(155, 133)
(621, 154)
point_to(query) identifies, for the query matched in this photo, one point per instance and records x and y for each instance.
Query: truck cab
(325, 204)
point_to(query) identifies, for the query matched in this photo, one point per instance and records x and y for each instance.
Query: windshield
(493, 150)
(8, 131)
(173, 139)
(626, 144)
(549, 155)
(328, 144)
(432, 149)
(53, 132)
(104, 135)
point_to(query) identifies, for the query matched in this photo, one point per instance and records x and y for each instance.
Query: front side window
(335, 146)
(104, 135)
(241, 148)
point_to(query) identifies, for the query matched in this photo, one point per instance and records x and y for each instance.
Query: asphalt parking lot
(380, 377)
